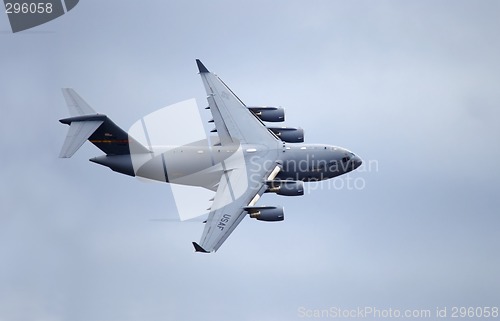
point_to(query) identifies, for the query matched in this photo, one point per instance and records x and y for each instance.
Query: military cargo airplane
(247, 159)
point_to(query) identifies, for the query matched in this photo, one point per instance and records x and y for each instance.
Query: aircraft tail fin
(101, 131)
(76, 105)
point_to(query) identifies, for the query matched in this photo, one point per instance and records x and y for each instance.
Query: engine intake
(286, 188)
(266, 213)
(289, 134)
(270, 114)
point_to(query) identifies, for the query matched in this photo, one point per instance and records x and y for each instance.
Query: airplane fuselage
(202, 165)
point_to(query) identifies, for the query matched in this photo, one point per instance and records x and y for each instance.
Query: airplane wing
(239, 187)
(233, 121)
(227, 214)
(237, 190)
(244, 177)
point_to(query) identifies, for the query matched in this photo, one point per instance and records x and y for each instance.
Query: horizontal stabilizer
(79, 132)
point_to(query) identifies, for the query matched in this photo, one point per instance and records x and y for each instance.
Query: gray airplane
(247, 159)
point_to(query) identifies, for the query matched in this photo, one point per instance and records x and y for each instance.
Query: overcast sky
(410, 86)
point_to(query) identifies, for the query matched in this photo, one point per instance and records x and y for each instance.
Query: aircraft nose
(357, 162)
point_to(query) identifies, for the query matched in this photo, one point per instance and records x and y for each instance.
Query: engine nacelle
(289, 134)
(286, 188)
(271, 114)
(266, 213)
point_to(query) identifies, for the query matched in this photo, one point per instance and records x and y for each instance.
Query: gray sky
(412, 87)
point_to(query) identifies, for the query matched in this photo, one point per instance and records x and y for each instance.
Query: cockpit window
(345, 159)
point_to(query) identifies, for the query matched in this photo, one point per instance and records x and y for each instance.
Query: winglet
(201, 67)
(198, 248)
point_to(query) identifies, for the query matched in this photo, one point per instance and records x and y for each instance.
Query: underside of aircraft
(248, 158)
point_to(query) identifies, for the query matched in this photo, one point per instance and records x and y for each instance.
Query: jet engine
(266, 213)
(289, 134)
(286, 188)
(271, 114)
